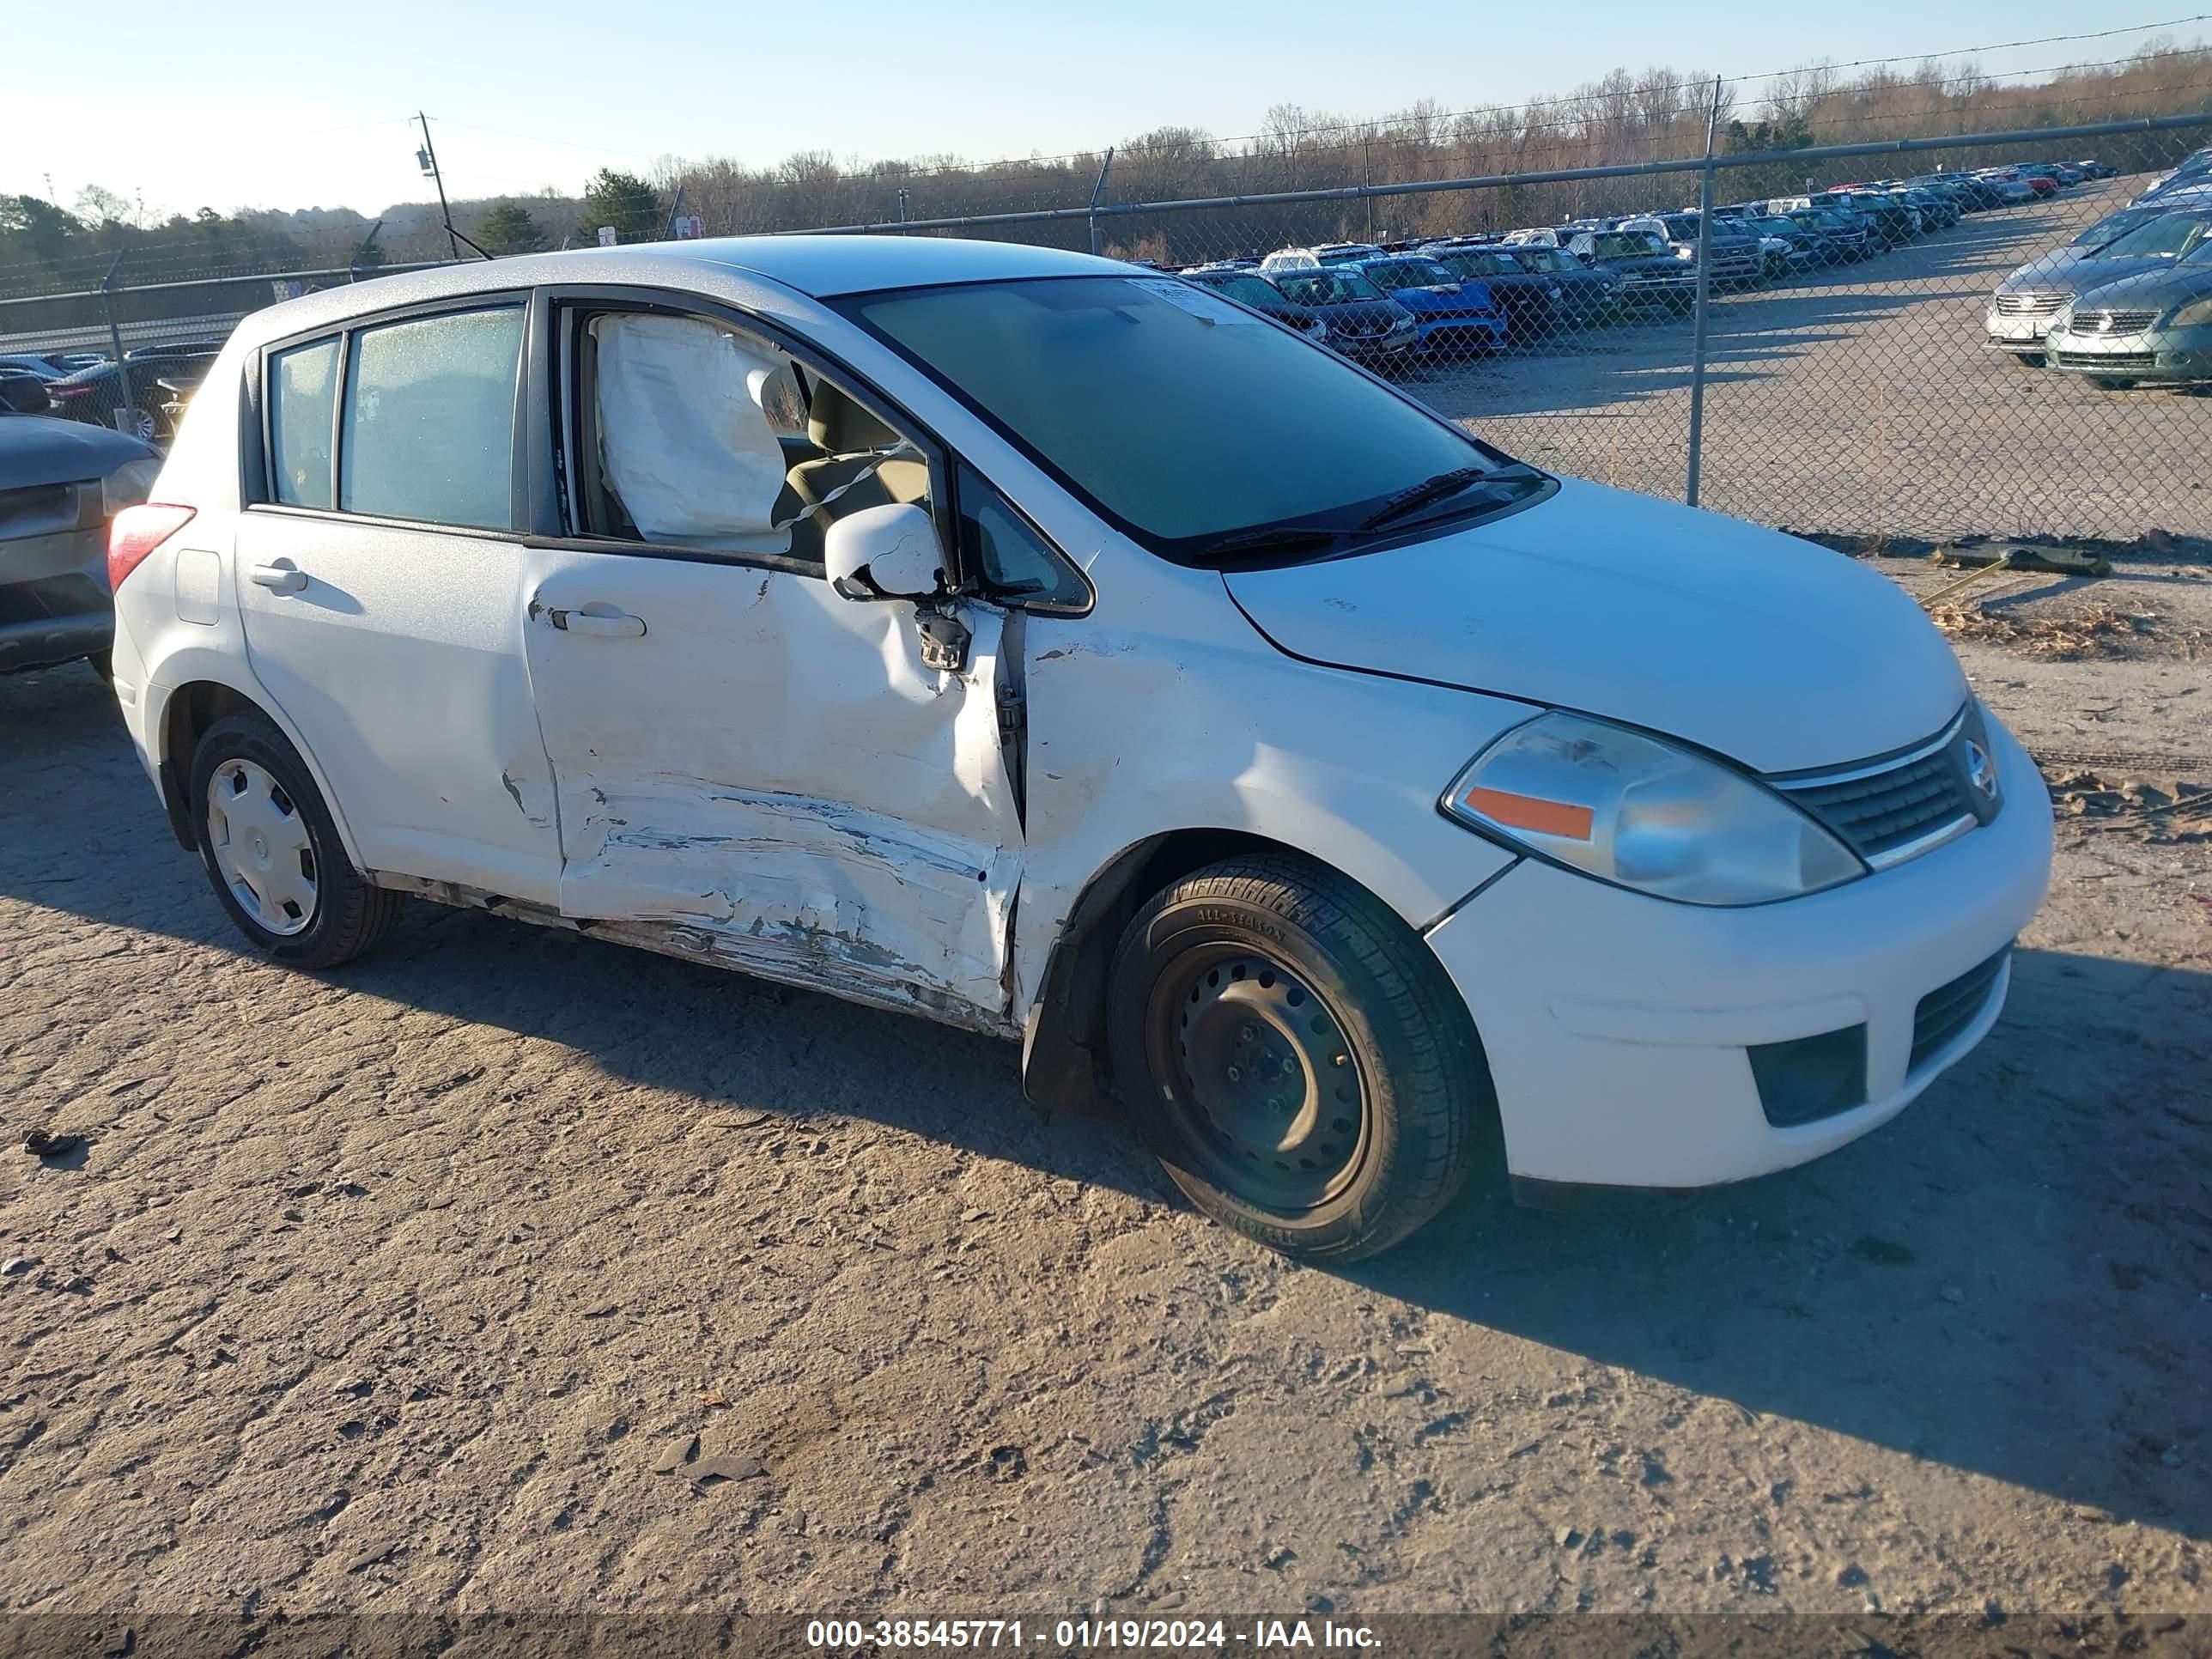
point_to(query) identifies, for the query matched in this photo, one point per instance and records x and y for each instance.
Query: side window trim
(567, 307)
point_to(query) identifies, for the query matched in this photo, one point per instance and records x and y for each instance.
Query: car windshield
(1250, 290)
(1625, 244)
(2168, 236)
(1682, 227)
(1774, 226)
(1325, 288)
(1181, 429)
(2115, 225)
(1394, 274)
(1482, 265)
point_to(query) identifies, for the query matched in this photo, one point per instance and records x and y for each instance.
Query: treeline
(1622, 119)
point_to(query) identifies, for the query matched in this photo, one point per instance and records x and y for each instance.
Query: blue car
(1451, 314)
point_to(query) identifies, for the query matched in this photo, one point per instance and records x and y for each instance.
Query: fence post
(1098, 190)
(115, 338)
(1704, 299)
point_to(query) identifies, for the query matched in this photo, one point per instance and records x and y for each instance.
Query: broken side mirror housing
(889, 552)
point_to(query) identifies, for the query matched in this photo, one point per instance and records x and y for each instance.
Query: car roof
(821, 267)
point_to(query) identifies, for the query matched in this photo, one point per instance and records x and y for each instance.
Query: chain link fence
(1851, 343)
(1849, 339)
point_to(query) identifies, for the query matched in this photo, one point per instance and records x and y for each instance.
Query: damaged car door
(775, 737)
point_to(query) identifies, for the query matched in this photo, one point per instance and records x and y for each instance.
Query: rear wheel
(1297, 1058)
(272, 851)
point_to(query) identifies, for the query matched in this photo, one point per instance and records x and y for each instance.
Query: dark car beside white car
(61, 482)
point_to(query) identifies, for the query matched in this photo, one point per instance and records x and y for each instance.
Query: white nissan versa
(1063, 651)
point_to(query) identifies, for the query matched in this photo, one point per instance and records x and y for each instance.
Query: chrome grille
(2113, 322)
(2029, 304)
(1885, 811)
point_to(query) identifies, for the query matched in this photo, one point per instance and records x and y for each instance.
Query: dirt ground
(407, 1287)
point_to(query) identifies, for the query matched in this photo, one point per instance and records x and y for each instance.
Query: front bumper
(2013, 330)
(54, 605)
(2173, 357)
(1618, 1026)
(1376, 348)
(1482, 334)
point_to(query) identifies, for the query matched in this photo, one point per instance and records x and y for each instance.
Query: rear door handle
(612, 625)
(278, 578)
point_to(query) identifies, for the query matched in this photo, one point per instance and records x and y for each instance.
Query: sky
(252, 103)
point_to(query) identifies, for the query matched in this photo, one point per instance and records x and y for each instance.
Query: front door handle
(610, 624)
(278, 578)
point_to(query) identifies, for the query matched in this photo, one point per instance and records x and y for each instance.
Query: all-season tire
(348, 917)
(1381, 1102)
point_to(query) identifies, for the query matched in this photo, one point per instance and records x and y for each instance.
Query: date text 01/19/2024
(1260, 1636)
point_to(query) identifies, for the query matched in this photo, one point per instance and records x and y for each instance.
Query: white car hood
(1775, 652)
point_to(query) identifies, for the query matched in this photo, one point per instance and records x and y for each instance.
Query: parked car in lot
(1846, 237)
(23, 363)
(94, 394)
(23, 392)
(1644, 270)
(1356, 806)
(1248, 288)
(1586, 295)
(1535, 303)
(2154, 329)
(60, 485)
(1736, 260)
(2020, 311)
(1449, 315)
(1364, 324)
(1788, 246)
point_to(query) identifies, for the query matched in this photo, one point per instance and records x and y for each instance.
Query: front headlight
(1642, 813)
(128, 484)
(2197, 313)
(1685, 253)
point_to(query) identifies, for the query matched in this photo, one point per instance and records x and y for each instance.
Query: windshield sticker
(1186, 296)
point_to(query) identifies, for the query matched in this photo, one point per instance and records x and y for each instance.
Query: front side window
(303, 388)
(693, 433)
(1184, 429)
(428, 430)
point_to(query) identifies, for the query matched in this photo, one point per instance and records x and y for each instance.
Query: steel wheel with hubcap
(1296, 1058)
(260, 845)
(272, 850)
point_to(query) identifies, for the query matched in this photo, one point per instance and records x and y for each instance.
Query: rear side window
(303, 385)
(428, 424)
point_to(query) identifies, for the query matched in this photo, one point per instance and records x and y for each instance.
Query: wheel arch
(1065, 1063)
(187, 715)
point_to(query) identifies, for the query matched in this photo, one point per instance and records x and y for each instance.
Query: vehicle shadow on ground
(2004, 1280)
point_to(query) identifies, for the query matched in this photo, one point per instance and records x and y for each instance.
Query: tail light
(136, 531)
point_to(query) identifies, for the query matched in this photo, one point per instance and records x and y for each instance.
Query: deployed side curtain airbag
(684, 440)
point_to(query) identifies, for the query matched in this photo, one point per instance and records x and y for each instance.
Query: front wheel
(1298, 1060)
(272, 851)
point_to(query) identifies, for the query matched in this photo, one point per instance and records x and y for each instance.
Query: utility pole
(1098, 190)
(428, 160)
(901, 199)
(1704, 299)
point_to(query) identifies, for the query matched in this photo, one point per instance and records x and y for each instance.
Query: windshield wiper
(1274, 538)
(1445, 484)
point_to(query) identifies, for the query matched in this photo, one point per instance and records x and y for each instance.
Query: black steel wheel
(1296, 1058)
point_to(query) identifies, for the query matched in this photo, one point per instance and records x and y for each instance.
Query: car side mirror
(889, 552)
